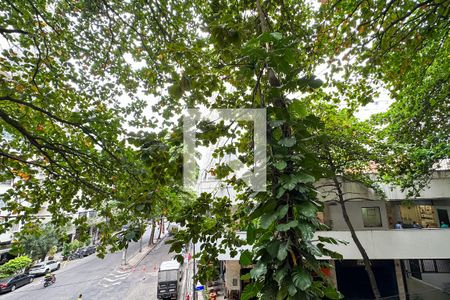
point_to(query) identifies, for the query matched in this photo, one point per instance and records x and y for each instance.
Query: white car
(44, 267)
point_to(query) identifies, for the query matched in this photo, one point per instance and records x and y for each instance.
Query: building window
(436, 265)
(371, 216)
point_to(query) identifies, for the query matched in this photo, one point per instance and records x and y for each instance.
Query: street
(97, 278)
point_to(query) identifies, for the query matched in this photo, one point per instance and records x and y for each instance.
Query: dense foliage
(36, 241)
(14, 266)
(73, 72)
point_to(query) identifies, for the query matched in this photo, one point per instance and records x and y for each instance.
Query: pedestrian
(398, 225)
(416, 226)
(80, 297)
(444, 225)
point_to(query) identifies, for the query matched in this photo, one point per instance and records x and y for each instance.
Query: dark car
(9, 284)
(88, 250)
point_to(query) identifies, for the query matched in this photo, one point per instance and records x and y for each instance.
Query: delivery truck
(169, 275)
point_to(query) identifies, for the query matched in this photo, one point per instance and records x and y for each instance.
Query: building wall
(354, 210)
(232, 275)
(393, 244)
(439, 187)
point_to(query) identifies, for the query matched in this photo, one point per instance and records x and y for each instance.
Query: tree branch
(6, 30)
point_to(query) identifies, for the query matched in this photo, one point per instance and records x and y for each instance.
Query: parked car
(44, 267)
(88, 250)
(76, 255)
(9, 284)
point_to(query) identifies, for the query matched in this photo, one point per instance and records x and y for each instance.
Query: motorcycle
(49, 280)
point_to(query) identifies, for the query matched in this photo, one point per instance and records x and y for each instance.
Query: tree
(346, 148)
(14, 266)
(77, 60)
(404, 46)
(36, 242)
(61, 134)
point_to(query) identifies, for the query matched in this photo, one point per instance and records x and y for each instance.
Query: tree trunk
(152, 233)
(366, 260)
(161, 227)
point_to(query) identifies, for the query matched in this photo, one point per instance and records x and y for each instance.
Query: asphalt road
(99, 279)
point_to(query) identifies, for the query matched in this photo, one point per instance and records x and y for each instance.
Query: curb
(144, 254)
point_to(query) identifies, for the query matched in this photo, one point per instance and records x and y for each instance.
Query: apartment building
(7, 237)
(409, 263)
(44, 216)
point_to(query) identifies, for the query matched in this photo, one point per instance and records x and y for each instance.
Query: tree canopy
(74, 74)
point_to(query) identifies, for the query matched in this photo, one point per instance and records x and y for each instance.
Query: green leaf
(301, 279)
(315, 83)
(332, 293)
(298, 109)
(251, 234)
(280, 192)
(267, 37)
(280, 274)
(283, 251)
(259, 270)
(287, 226)
(246, 258)
(282, 293)
(268, 218)
(276, 35)
(306, 230)
(280, 165)
(272, 248)
(287, 142)
(307, 209)
(305, 178)
(250, 291)
(276, 123)
(292, 290)
(277, 133)
(283, 211)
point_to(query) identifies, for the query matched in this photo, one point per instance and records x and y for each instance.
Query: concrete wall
(439, 187)
(394, 244)
(232, 272)
(354, 210)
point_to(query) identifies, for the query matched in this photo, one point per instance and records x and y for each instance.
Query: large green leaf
(307, 209)
(301, 278)
(287, 226)
(298, 109)
(259, 270)
(268, 218)
(246, 258)
(283, 251)
(288, 142)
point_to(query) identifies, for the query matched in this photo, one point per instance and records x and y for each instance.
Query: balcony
(381, 244)
(394, 244)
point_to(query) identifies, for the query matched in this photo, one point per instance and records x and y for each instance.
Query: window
(371, 216)
(436, 265)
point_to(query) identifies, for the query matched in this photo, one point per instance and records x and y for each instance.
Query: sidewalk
(139, 256)
(146, 249)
